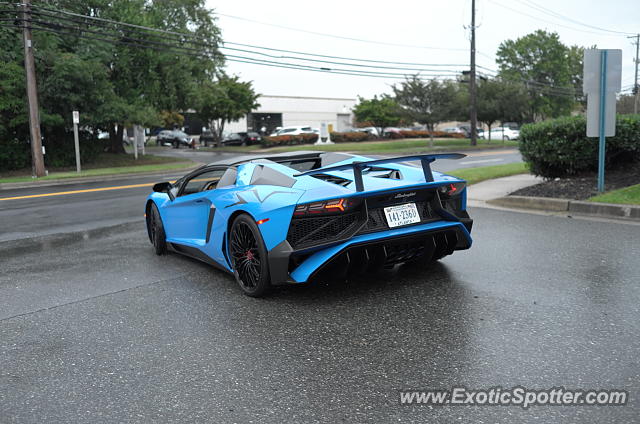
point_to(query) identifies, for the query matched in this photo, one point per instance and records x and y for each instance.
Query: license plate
(400, 215)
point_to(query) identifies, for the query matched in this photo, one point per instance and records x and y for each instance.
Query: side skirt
(195, 253)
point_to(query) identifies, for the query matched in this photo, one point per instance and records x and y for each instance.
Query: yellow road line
(88, 190)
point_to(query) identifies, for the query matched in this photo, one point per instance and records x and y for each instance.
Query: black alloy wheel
(155, 230)
(249, 256)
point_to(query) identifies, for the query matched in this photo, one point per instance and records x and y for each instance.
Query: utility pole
(472, 78)
(32, 93)
(636, 87)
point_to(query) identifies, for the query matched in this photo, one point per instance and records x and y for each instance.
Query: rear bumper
(433, 239)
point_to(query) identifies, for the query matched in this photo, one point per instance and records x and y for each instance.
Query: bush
(349, 137)
(426, 134)
(289, 140)
(560, 147)
(59, 148)
(14, 155)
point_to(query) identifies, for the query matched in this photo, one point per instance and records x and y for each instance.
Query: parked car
(174, 137)
(206, 138)
(387, 132)
(373, 131)
(467, 131)
(297, 130)
(455, 130)
(504, 133)
(242, 139)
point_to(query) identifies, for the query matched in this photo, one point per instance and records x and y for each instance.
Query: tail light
(451, 189)
(326, 207)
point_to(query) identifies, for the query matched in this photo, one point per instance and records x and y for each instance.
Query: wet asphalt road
(95, 328)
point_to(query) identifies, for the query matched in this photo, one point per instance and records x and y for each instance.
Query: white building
(284, 111)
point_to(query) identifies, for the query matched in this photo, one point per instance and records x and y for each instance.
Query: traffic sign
(76, 117)
(602, 78)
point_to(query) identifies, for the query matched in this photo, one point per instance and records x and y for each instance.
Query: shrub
(348, 137)
(289, 140)
(60, 149)
(426, 134)
(560, 147)
(14, 155)
(351, 137)
(414, 134)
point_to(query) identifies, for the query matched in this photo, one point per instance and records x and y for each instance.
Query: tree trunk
(489, 127)
(430, 127)
(220, 132)
(115, 139)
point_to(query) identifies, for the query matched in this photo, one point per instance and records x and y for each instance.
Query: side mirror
(164, 187)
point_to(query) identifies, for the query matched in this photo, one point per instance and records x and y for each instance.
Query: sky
(425, 32)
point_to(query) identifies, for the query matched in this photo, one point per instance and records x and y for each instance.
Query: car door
(186, 217)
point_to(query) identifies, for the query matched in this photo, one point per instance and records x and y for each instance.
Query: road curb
(549, 204)
(67, 181)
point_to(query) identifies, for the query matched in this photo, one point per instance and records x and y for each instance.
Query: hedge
(425, 134)
(60, 151)
(289, 140)
(350, 137)
(560, 147)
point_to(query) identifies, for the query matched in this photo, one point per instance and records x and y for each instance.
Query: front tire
(249, 257)
(155, 228)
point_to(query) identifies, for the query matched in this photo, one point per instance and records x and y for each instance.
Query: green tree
(426, 102)
(550, 70)
(380, 112)
(226, 100)
(132, 83)
(501, 101)
(625, 102)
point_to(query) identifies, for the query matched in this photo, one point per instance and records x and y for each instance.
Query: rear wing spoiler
(357, 167)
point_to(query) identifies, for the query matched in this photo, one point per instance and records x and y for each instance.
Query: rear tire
(155, 228)
(249, 257)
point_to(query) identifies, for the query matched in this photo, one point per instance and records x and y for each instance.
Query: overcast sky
(424, 31)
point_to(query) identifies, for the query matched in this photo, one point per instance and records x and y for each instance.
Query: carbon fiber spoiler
(357, 167)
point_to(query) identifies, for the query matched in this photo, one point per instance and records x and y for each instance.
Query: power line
(544, 20)
(342, 57)
(337, 63)
(323, 34)
(550, 12)
(58, 25)
(143, 42)
(241, 59)
(195, 41)
(174, 49)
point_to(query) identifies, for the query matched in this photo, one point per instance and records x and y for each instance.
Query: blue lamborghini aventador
(304, 216)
